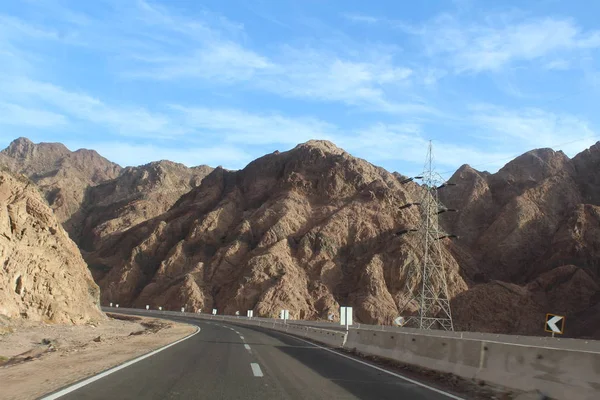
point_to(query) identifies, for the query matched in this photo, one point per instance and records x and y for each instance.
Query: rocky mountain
(530, 241)
(94, 197)
(44, 277)
(308, 230)
(62, 176)
(137, 195)
(314, 228)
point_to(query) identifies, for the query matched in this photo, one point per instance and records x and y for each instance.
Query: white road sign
(399, 321)
(250, 313)
(237, 313)
(555, 323)
(346, 316)
(147, 307)
(214, 311)
(330, 317)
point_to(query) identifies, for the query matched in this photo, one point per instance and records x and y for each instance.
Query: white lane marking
(380, 369)
(256, 370)
(247, 346)
(241, 337)
(115, 369)
(237, 332)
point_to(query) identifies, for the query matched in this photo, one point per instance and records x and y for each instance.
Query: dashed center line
(256, 370)
(247, 346)
(241, 337)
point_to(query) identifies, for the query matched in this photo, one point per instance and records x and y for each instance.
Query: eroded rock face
(62, 176)
(305, 230)
(530, 243)
(43, 277)
(137, 195)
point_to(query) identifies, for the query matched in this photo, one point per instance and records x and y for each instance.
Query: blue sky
(223, 82)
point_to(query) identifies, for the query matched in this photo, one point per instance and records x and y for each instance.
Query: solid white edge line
(380, 369)
(247, 346)
(114, 369)
(256, 370)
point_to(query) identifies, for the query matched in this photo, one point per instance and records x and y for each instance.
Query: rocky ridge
(308, 230)
(530, 242)
(62, 176)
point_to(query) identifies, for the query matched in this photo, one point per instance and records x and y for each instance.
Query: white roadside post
(346, 316)
(182, 309)
(159, 308)
(111, 304)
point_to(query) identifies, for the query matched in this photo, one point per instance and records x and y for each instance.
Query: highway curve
(226, 361)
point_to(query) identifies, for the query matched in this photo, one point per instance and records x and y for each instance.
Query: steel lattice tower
(432, 293)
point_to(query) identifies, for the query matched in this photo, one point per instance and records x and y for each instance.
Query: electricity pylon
(432, 293)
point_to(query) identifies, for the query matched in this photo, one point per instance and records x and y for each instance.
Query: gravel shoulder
(36, 359)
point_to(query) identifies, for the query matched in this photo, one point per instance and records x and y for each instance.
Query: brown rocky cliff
(63, 176)
(308, 230)
(44, 277)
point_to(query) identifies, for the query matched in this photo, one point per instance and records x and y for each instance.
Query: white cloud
(16, 115)
(236, 126)
(127, 121)
(151, 42)
(490, 46)
(406, 142)
(360, 18)
(558, 65)
(526, 129)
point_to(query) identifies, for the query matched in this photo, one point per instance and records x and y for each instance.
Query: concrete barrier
(560, 373)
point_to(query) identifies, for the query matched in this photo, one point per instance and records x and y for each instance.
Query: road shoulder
(62, 355)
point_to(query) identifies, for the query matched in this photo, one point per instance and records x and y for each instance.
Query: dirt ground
(36, 359)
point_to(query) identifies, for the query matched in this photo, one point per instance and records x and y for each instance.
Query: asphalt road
(225, 361)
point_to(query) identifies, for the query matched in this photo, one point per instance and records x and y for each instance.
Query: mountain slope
(44, 277)
(138, 194)
(308, 229)
(530, 236)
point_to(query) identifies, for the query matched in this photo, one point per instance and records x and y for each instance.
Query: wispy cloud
(239, 127)
(525, 129)
(407, 142)
(361, 18)
(123, 120)
(499, 42)
(16, 115)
